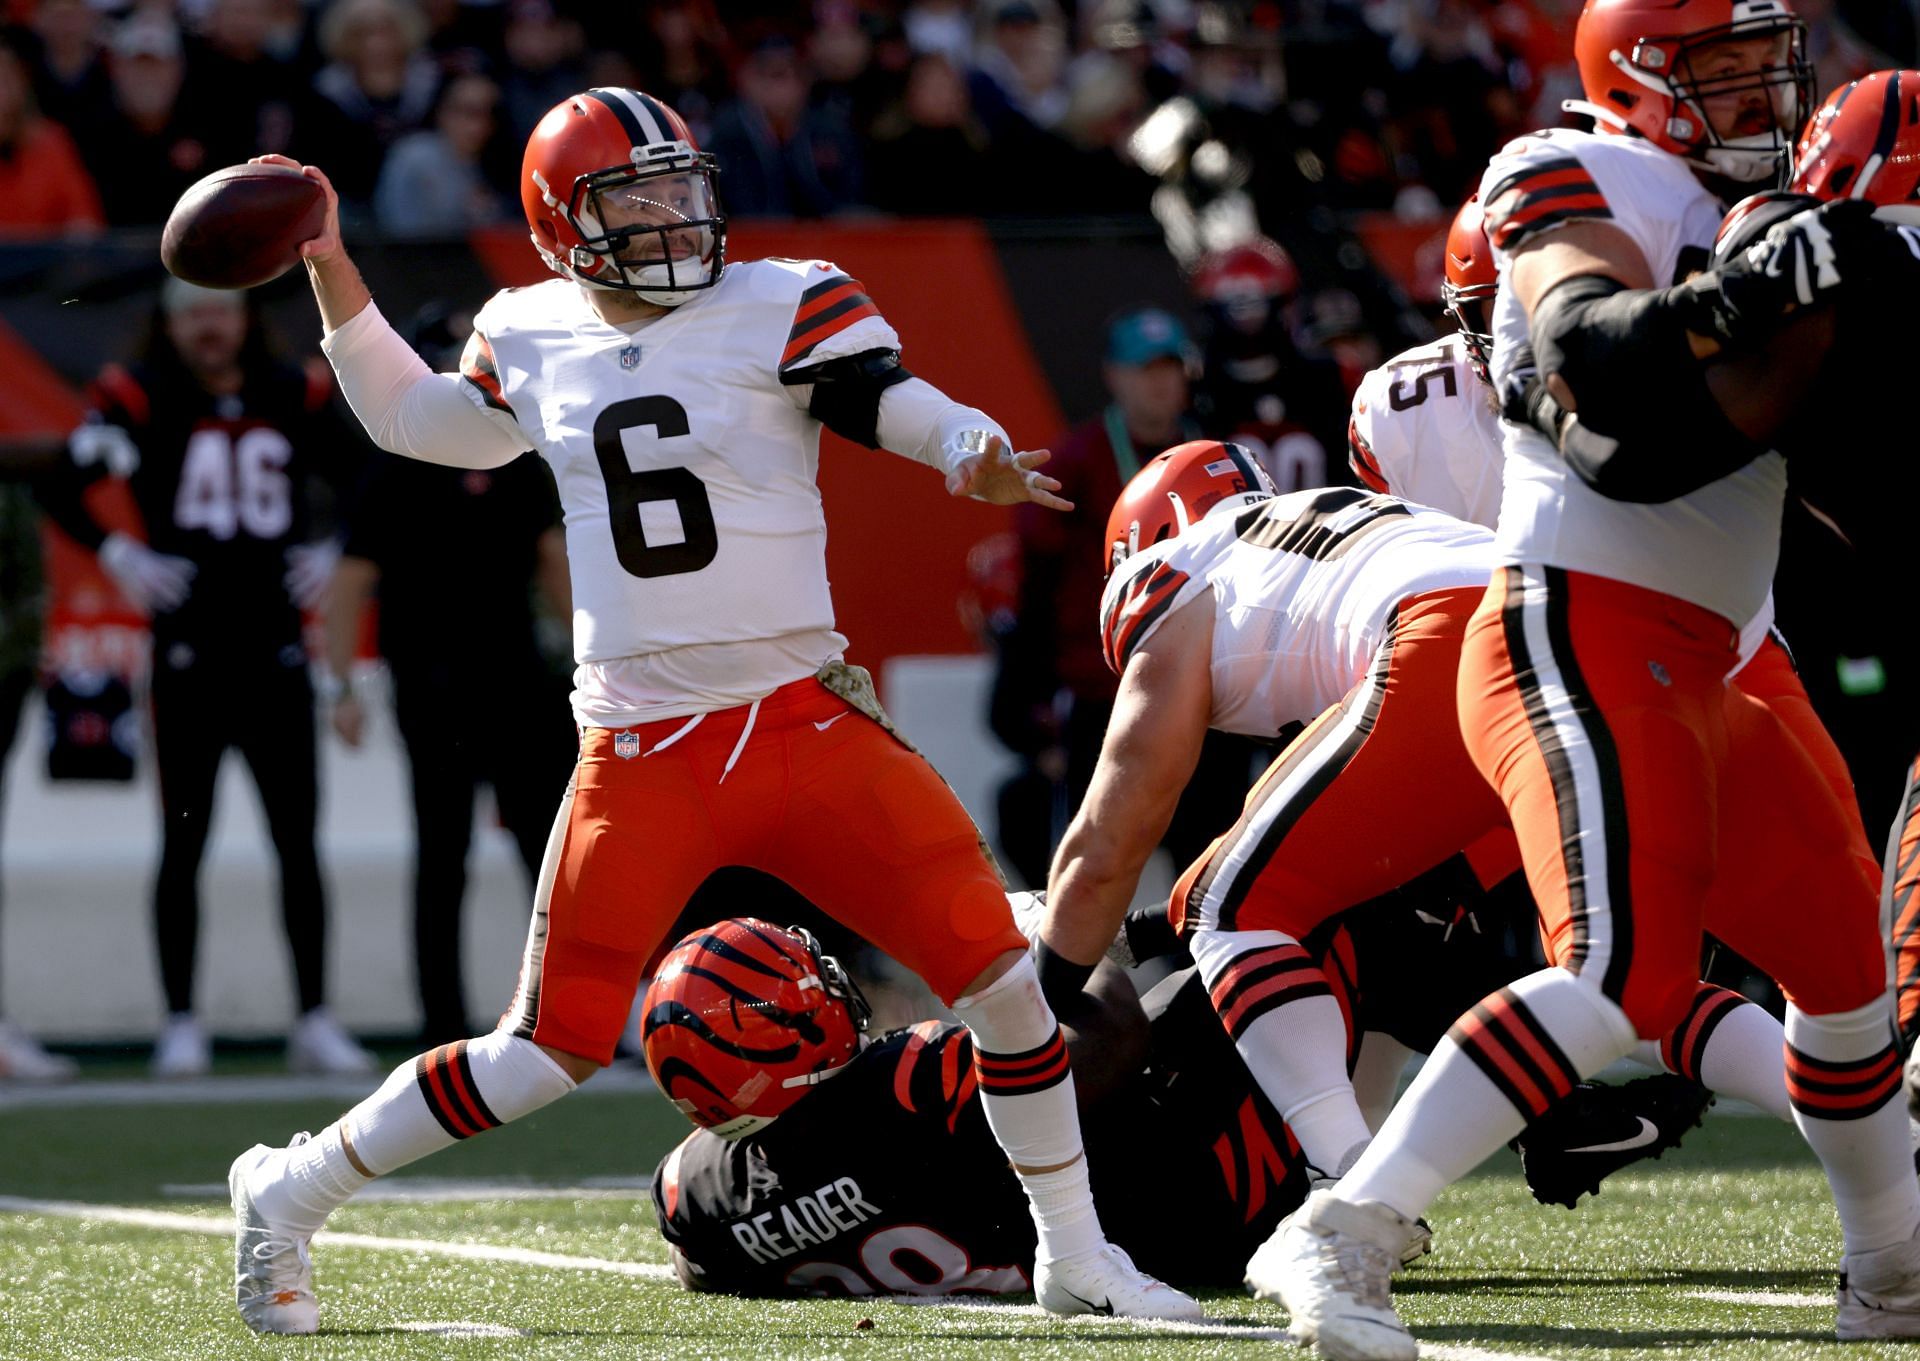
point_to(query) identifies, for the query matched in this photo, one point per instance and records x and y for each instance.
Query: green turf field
(1725, 1249)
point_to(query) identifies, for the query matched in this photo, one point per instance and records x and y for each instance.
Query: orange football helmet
(1636, 68)
(1467, 291)
(1864, 142)
(743, 1018)
(617, 195)
(1179, 488)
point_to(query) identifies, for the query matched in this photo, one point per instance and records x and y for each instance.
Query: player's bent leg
(282, 1196)
(1798, 845)
(1288, 864)
(875, 836)
(1293, 1034)
(1728, 1045)
(624, 852)
(1026, 1092)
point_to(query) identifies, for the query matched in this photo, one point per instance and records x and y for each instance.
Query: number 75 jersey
(682, 448)
(1424, 428)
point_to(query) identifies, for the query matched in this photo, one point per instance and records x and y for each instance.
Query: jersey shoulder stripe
(826, 308)
(1361, 459)
(1134, 610)
(477, 366)
(1539, 195)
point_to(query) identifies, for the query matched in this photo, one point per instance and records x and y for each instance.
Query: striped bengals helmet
(619, 196)
(743, 1018)
(1181, 487)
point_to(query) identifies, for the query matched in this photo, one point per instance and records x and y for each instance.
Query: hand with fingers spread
(999, 475)
(310, 572)
(155, 582)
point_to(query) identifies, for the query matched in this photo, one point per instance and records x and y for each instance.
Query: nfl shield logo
(626, 745)
(630, 356)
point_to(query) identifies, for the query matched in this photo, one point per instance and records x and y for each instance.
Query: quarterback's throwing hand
(326, 244)
(1005, 478)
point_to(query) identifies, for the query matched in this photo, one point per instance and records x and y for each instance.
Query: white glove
(310, 571)
(154, 582)
(96, 442)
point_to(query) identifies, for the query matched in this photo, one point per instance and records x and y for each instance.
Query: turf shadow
(1612, 1339)
(1558, 1279)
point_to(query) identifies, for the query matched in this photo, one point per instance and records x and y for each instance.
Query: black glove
(1804, 261)
(1524, 398)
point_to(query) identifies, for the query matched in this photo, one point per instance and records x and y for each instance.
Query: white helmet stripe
(638, 119)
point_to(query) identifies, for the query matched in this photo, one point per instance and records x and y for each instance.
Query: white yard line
(1221, 1329)
(464, 1329)
(222, 1226)
(435, 1190)
(1778, 1299)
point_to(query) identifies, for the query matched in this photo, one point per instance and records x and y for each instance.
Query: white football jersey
(1304, 589)
(1409, 438)
(1425, 429)
(1715, 547)
(685, 460)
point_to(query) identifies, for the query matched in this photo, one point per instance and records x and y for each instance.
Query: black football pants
(524, 747)
(264, 707)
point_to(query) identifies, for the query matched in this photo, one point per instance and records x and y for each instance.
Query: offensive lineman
(1593, 688)
(679, 401)
(1231, 608)
(1426, 427)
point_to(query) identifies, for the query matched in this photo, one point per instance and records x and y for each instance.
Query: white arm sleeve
(922, 423)
(409, 409)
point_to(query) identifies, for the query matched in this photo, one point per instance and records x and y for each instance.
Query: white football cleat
(1879, 1293)
(273, 1274)
(319, 1045)
(1330, 1263)
(183, 1049)
(22, 1059)
(1106, 1281)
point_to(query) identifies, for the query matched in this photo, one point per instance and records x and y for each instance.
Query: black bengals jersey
(886, 1180)
(220, 481)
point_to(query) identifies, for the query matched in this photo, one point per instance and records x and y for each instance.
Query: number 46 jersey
(685, 459)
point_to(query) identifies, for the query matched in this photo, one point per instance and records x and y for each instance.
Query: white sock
(313, 1179)
(1026, 1091)
(1376, 1075)
(1729, 1046)
(1843, 1072)
(1501, 1065)
(1292, 1033)
(451, 1093)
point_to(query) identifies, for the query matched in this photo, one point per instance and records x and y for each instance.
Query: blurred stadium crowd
(968, 107)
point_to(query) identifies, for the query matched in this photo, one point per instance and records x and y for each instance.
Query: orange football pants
(803, 786)
(1377, 790)
(1652, 799)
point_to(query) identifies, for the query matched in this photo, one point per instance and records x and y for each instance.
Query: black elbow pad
(1647, 428)
(846, 392)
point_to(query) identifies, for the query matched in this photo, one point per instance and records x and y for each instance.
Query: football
(242, 226)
